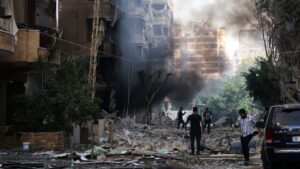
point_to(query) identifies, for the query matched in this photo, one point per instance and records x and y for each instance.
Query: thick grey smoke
(232, 14)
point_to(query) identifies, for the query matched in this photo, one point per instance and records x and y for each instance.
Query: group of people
(207, 116)
(245, 122)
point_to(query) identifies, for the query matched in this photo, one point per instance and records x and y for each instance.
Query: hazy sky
(231, 14)
(185, 8)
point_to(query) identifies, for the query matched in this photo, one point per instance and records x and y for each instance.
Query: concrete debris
(137, 145)
(96, 151)
(223, 121)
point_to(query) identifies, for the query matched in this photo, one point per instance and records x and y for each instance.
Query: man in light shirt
(246, 123)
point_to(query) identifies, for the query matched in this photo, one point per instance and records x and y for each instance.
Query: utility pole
(96, 41)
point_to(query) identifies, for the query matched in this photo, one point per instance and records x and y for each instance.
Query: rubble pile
(137, 145)
(220, 139)
(160, 139)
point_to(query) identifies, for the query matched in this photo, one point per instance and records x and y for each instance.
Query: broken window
(166, 31)
(157, 30)
(158, 7)
(138, 3)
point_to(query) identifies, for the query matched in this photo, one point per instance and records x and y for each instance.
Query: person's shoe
(198, 153)
(192, 153)
(246, 163)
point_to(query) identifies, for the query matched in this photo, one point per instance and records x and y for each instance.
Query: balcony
(138, 12)
(7, 44)
(43, 54)
(137, 9)
(27, 45)
(139, 39)
(28, 48)
(110, 11)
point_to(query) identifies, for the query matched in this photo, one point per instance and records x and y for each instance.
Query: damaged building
(144, 36)
(22, 43)
(29, 28)
(199, 48)
(133, 34)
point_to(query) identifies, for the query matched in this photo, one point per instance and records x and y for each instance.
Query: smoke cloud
(232, 14)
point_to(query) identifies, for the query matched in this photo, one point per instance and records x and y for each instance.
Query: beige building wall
(75, 17)
(201, 51)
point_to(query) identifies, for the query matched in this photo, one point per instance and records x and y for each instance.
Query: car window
(290, 117)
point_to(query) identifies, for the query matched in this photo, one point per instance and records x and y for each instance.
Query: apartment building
(29, 27)
(199, 47)
(162, 11)
(22, 43)
(145, 26)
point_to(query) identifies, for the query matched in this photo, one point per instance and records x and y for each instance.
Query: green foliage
(262, 82)
(61, 100)
(279, 23)
(229, 94)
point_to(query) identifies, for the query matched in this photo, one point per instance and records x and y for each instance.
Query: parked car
(281, 141)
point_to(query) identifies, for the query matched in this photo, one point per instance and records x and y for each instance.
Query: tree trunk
(149, 110)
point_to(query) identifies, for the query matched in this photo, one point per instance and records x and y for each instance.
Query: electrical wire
(109, 55)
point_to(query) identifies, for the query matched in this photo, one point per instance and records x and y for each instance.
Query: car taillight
(269, 136)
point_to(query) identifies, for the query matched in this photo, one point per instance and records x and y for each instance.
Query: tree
(151, 85)
(262, 83)
(61, 100)
(229, 94)
(279, 22)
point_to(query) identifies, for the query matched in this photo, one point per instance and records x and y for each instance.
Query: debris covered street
(149, 84)
(141, 146)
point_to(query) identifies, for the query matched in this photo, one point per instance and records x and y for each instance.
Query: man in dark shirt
(195, 129)
(180, 118)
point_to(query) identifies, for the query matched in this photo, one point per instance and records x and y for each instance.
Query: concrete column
(3, 103)
(76, 134)
(32, 83)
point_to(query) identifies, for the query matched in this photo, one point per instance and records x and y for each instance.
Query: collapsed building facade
(145, 39)
(199, 48)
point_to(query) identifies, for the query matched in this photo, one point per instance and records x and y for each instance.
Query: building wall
(76, 21)
(200, 49)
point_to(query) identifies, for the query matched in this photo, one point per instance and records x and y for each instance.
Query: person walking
(246, 123)
(207, 116)
(195, 129)
(180, 115)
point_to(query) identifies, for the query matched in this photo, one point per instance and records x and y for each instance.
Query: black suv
(281, 142)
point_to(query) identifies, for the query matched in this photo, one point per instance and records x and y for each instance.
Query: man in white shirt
(246, 123)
